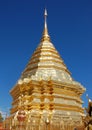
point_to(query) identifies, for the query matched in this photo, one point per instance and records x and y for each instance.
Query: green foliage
(1, 118)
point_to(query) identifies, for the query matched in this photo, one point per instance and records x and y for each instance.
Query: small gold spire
(45, 15)
(45, 35)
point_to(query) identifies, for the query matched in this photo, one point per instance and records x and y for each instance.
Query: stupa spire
(45, 17)
(45, 35)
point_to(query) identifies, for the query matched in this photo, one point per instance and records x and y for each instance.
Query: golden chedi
(46, 92)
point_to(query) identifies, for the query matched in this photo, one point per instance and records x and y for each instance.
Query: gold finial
(45, 35)
(89, 100)
(45, 15)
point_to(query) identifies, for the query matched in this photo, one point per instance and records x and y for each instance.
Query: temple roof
(46, 62)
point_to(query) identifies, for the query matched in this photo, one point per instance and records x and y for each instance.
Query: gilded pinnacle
(45, 35)
(45, 15)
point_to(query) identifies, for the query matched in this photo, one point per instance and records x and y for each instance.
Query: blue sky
(21, 26)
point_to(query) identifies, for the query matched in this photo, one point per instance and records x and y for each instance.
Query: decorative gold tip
(45, 35)
(45, 13)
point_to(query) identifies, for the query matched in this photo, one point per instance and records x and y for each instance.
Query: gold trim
(44, 67)
(45, 50)
(45, 55)
(44, 60)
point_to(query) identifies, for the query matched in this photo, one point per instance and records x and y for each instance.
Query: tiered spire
(46, 62)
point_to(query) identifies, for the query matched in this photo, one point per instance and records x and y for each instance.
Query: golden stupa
(46, 96)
